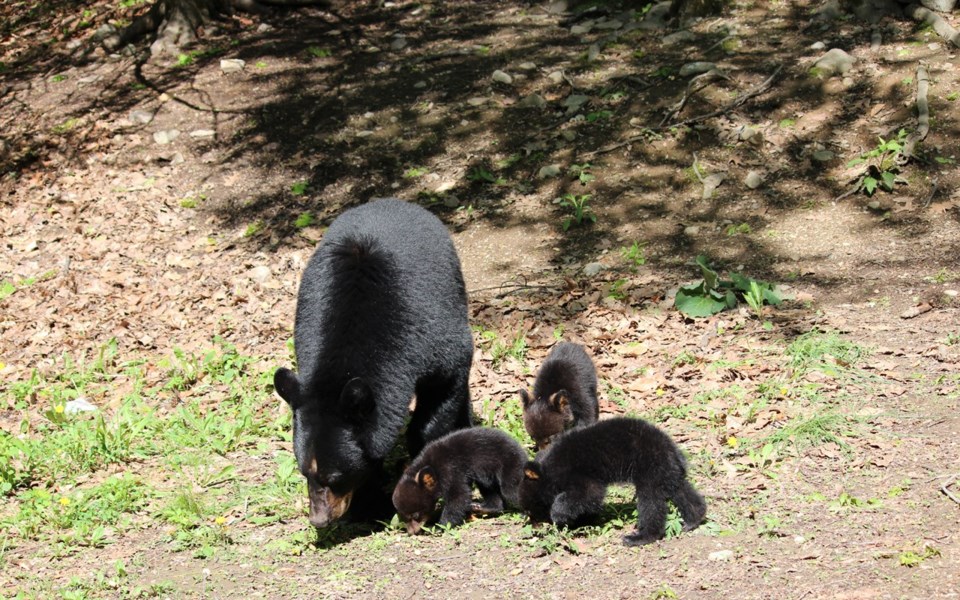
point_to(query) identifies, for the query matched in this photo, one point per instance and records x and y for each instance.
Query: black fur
(568, 480)
(564, 394)
(381, 317)
(449, 467)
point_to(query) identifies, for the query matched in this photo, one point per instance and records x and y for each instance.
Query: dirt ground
(110, 234)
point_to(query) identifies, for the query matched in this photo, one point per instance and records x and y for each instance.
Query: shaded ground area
(157, 216)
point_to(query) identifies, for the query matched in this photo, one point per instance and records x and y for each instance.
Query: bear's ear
(356, 399)
(525, 398)
(560, 400)
(287, 385)
(532, 471)
(426, 478)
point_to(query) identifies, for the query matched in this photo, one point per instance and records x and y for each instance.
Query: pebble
(398, 43)
(527, 66)
(502, 77)
(573, 102)
(533, 101)
(611, 24)
(556, 77)
(753, 180)
(232, 65)
(691, 230)
(549, 171)
(477, 101)
(680, 37)
(202, 133)
(582, 28)
(721, 555)
(593, 52)
(823, 155)
(873, 205)
(951, 293)
(591, 269)
(364, 134)
(165, 137)
(420, 85)
(259, 274)
(818, 46)
(695, 68)
(140, 117)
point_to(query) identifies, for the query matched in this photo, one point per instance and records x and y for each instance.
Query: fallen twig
(763, 87)
(693, 86)
(945, 488)
(923, 118)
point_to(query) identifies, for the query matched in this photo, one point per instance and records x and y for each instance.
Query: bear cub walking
(448, 468)
(564, 395)
(568, 480)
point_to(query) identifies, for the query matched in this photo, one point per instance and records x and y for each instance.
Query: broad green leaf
(695, 301)
(709, 275)
(888, 180)
(869, 185)
(856, 161)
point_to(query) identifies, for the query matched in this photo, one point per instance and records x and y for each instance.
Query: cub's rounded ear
(532, 471)
(426, 478)
(356, 399)
(525, 398)
(559, 400)
(287, 385)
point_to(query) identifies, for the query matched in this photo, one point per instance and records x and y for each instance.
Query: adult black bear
(568, 480)
(448, 468)
(381, 317)
(564, 394)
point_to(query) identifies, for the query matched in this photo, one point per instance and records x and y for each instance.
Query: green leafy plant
(635, 254)
(600, 115)
(713, 295)
(882, 166)
(414, 172)
(912, 558)
(742, 228)
(254, 228)
(299, 188)
(582, 173)
(319, 52)
(482, 175)
(579, 208)
(304, 220)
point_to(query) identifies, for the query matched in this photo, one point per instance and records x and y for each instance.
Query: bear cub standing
(381, 317)
(449, 467)
(568, 480)
(564, 394)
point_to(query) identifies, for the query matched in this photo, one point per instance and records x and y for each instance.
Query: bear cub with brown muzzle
(448, 468)
(564, 395)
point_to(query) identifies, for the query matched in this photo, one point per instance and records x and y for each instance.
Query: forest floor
(157, 214)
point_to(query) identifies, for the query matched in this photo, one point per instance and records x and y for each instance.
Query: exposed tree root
(923, 118)
(174, 24)
(928, 17)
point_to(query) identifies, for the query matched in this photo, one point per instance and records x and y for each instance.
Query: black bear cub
(449, 467)
(564, 394)
(568, 480)
(381, 317)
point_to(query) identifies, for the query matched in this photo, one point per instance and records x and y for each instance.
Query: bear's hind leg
(651, 516)
(492, 503)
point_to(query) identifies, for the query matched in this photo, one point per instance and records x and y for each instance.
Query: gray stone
(873, 205)
(502, 77)
(573, 102)
(691, 230)
(939, 5)
(232, 65)
(582, 28)
(695, 68)
(477, 101)
(752, 135)
(609, 25)
(721, 555)
(88, 80)
(78, 405)
(532, 101)
(527, 66)
(420, 85)
(680, 37)
(364, 134)
(549, 171)
(556, 77)
(140, 117)
(165, 137)
(202, 133)
(591, 269)
(818, 46)
(656, 17)
(823, 156)
(835, 61)
(398, 43)
(753, 180)
(259, 274)
(593, 52)
(558, 7)
(569, 134)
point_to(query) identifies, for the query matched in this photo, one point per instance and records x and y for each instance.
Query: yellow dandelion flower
(733, 442)
(660, 391)
(220, 520)
(64, 501)
(58, 409)
(784, 390)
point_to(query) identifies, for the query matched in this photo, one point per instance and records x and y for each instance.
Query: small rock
(556, 77)
(752, 135)
(691, 230)
(451, 202)
(549, 171)
(591, 269)
(680, 37)
(695, 68)
(164, 97)
(581, 28)
(232, 65)
(568, 134)
(202, 133)
(532, 101)
(835, 61)
(753, 180)
(398, 43)
(609, 25)
(78, 405)
(951, 293)
(502, 77)
(721, 555)
(527, 66)
(420, 85)
(823, 155)
(364, 134)
(88, 80)
(477, 101)
(140, 117)
(573, 102)
(818, 46)
(259, 274)
(165, 137)
(558, 7)
(593, 52)
(264, 28)
(657, 17)
(873, 205)
(799, 539)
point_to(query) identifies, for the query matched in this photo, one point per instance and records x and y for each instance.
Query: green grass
(821, 428)
(823, 351)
